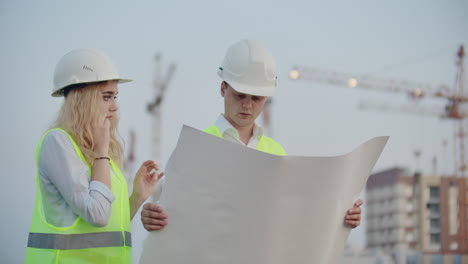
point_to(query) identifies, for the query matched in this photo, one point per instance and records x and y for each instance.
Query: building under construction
(417, 218)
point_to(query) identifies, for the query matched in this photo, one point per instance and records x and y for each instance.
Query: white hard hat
(249, 68)
(83, 66)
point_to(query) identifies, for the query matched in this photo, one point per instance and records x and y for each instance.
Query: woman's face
(109, 93)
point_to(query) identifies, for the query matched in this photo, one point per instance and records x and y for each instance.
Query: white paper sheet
(231, 204)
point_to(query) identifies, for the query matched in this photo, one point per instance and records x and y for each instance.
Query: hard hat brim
(248, 89)
(59, 92)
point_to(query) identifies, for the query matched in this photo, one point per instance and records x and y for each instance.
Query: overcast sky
(400, 40)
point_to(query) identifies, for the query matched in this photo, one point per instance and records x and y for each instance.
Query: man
(248, 77)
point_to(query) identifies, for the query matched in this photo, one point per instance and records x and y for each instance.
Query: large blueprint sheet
(231, 204)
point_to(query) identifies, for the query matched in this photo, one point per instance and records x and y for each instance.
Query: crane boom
(456, 107)
(415, 90)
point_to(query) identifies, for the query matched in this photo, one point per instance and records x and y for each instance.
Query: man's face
(241, 109)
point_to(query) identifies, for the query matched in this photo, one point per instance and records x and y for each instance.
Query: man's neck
(245, 132)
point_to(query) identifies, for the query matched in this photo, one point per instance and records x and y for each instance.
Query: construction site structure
(154, 108)
(456, 107)
(417, 218)
(267, 117)
(130, 160)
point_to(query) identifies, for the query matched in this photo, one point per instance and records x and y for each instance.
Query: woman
(82, 212)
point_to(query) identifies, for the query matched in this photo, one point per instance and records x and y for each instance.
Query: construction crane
(267, 116)
(456, 97)
(154, 108)
(129, 162)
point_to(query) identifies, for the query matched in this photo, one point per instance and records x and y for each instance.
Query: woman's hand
(145, 179)
(101, 133)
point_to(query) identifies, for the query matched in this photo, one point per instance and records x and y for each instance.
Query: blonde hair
(79, 110)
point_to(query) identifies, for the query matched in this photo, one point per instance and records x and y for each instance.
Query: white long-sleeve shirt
(67, 189)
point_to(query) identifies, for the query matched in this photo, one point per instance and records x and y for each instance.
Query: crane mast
(461, 137)
(154, 108)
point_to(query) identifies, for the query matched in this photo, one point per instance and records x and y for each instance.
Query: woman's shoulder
(56, 136)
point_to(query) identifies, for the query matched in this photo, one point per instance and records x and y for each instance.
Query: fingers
(354, 211)
(160, 175)
(152, 207)
(100, 128)
(352, 224)
(358, 203)
(151, 224)
(150, 163)
(107, 123)
(153, 217)
(153, 211)
(155, 177)
(353, 216)
(149, 166)
(101, 121)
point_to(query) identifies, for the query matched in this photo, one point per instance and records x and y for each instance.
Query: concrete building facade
(417, 218)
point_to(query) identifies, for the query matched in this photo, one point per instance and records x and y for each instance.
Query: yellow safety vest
(265, 144)
(82, 242)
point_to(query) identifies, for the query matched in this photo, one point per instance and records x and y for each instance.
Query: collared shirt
(67, 190)
(228, 132)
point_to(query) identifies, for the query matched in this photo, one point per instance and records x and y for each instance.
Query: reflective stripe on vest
(265, 144)
(79, 241)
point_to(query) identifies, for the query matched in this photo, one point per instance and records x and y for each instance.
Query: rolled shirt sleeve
(67, 189)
